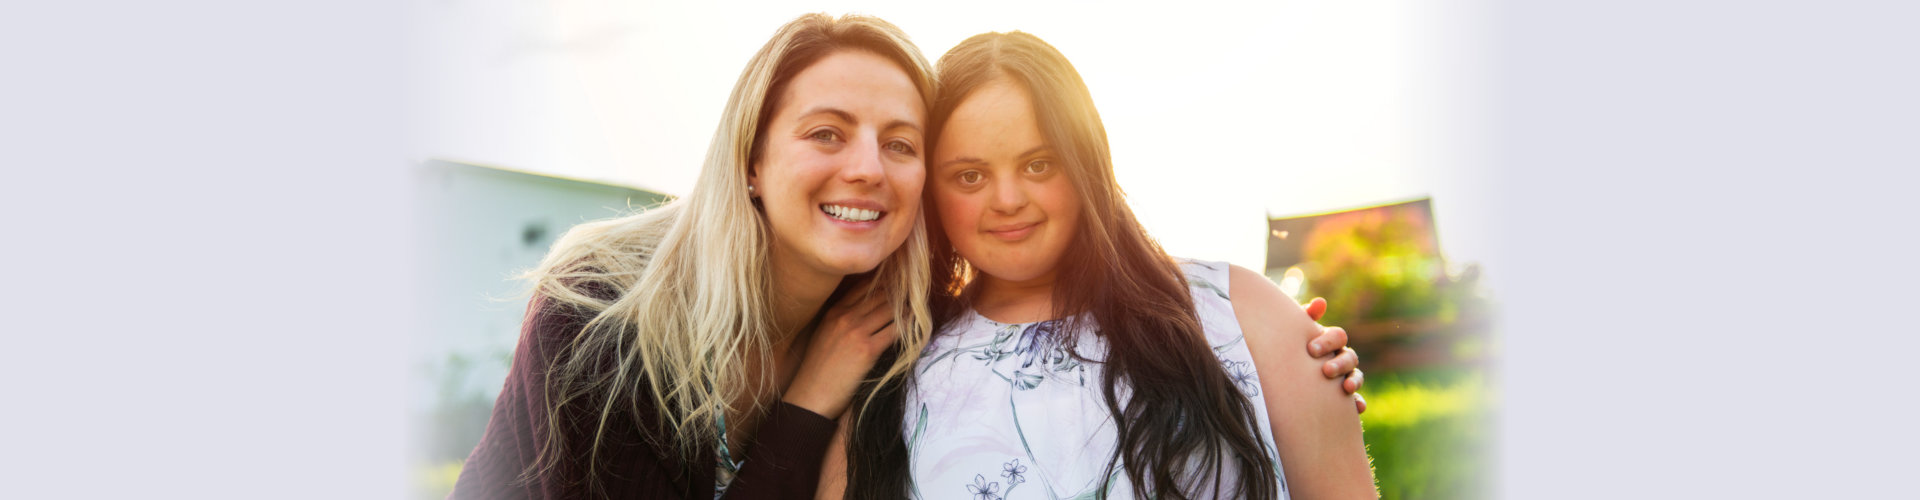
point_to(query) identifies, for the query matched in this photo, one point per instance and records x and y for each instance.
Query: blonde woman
(683, 352)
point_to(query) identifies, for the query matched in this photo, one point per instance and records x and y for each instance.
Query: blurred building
(478, 227)
(1386, 281)
(1287, 234)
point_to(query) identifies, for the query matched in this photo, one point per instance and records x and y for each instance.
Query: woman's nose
(865, 166)
(1008, 197)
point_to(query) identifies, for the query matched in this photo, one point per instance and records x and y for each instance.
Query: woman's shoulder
(558, 313)
(1267, 316)
(1232, 301)
(1206, 277)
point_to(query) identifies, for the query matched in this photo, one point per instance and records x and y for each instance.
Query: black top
(782, 460)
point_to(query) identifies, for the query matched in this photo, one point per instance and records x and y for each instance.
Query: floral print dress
(1003, 411)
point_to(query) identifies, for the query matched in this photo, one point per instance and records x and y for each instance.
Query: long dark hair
(1183, 415)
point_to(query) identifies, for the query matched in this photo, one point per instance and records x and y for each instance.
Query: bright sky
(1218, 115)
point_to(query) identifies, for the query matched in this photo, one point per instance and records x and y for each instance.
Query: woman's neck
(798, 295)
(1008, 301)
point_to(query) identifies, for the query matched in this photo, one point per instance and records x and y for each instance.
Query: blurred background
(1331, 144)
(1425, 331)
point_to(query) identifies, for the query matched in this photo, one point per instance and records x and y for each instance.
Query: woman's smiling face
(841, 167)
(1001, 195)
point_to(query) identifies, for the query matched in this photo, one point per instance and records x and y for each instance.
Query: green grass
(1428, 434)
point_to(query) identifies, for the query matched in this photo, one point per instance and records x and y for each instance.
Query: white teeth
(849, 213)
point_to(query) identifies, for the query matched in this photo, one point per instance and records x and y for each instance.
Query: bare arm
(1314, 425)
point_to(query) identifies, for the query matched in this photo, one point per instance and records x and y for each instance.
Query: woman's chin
(854, 265)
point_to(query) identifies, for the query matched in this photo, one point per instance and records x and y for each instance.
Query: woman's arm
(519, 425)
(1321, 450)
(848, 342)
(781, 461)
(840, 352)
(784, 460)
(833, 468)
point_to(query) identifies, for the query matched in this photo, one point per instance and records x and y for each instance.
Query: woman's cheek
(952, 214)
(915, 180)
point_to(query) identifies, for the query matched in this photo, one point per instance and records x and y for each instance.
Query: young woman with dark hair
(1073, 358)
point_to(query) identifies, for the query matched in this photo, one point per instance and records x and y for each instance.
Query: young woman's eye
(900, 147)
(1039, 166)
(824, 135)
(970, 177)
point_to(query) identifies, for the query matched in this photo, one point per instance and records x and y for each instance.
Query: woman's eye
(824, 136)
(969, 177)
(1038, 166)
(900, 147)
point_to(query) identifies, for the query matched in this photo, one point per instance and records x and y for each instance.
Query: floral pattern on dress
(1039, 343)
(982, 489)
(1243, 376)
(1014, 472)
(970, 421)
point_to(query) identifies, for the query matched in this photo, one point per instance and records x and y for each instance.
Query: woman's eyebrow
(961, 160)
(902, 124)
(969, 159)
(842, 114)
(847, 117)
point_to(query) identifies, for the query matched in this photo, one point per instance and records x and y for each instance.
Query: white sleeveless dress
(997, 412)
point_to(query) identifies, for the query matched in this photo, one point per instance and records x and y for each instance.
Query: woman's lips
(1013, 232)
(854, 213)
(851, 212)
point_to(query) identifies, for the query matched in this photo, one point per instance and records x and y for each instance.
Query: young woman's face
(1001, 196)
(841, 170)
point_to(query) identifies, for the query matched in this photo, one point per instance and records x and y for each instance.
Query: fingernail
(1316, 348)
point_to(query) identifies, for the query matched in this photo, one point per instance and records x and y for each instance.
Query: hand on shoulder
(1259, 303)
(1313, 421)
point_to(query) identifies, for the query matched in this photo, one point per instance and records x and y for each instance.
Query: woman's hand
(1343, 362)
(850, 337)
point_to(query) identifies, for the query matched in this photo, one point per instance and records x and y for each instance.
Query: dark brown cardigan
(782, 460)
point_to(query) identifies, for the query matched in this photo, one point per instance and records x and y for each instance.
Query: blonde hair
(690, 289)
